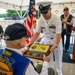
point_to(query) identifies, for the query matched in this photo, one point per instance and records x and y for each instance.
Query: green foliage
(11, 12)
(37, 14)
(2, 15)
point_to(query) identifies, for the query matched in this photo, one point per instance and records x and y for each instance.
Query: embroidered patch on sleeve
(5, 68)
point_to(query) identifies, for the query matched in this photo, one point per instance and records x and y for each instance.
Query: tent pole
(21, 10)
(21, 13)
(25, 14)
(18, 12)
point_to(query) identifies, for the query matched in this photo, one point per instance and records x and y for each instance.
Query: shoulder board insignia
(5, 52)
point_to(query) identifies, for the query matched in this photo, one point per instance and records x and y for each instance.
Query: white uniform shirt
(46, 26)
(30, 69)
(65, 19)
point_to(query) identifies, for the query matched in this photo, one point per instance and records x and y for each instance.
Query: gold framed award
(36, 51)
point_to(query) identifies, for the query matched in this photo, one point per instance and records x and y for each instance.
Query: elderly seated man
(12, 62)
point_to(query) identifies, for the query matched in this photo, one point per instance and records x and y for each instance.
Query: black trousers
(67, 43)
(50, 70)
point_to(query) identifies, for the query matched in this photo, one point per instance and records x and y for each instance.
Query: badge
(5, 52)
(52, 26)
(40, 7)
(42, 29)
(5, 68)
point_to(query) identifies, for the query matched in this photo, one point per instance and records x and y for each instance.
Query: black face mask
(44, 12)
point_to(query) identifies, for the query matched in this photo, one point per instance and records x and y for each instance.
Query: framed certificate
(36, 51)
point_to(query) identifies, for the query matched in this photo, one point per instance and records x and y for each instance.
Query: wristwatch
(56, 45)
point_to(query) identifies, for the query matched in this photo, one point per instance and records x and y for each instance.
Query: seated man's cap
(66, 8)
(15, 31)
(44, 7)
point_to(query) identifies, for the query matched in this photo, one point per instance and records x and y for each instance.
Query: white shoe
(60, 73)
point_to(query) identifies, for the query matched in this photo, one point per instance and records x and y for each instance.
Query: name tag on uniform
(52, 26)
(36, 51)
(42, 29)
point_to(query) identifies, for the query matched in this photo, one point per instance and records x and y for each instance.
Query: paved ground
(67, 68)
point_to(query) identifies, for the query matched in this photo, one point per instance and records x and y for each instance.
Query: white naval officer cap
(44, 6)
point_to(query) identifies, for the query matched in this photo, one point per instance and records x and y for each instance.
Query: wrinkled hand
(52, 48)
(23, 52)
(39, 39)
(25, 49)
(46, 58)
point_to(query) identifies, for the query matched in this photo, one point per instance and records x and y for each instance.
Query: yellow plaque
(39, 47)
(36, 51)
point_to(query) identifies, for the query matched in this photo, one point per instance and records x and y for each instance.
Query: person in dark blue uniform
(11, 61)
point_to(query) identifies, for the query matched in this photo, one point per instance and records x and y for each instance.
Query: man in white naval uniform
(51, 26)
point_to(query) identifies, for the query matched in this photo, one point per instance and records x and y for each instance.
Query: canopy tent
(23, 4)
